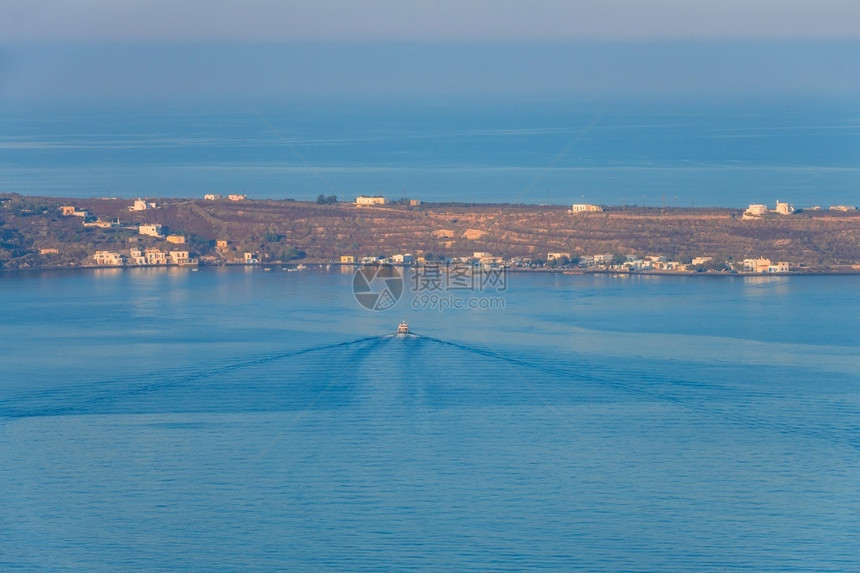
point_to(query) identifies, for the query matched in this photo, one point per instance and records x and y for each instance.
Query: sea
(658, 154)
(239, 419)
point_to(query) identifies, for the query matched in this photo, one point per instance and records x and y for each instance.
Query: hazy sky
(434, 20)
(115, 49)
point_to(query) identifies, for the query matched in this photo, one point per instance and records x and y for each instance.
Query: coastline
(282, 267)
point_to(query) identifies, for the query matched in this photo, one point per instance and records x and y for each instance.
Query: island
(50, 232)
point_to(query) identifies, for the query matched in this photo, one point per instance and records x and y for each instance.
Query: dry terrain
(286, 230)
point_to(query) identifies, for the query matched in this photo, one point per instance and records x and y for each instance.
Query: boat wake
(101, 395)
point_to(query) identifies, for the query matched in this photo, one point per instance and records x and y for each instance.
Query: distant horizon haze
(715, 103)
(72, 73)
(422, 20)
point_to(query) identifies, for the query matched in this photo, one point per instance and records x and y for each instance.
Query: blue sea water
(235, 419)
(682, 154)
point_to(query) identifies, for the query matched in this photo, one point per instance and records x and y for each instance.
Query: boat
(403, 328)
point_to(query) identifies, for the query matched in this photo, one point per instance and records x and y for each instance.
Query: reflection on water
(766, 285)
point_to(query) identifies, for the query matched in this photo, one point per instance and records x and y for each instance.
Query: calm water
(675, 155)
(229, 420)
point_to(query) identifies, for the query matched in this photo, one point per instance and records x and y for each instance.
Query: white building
(490, 261)
(236, 197)
(72, 211)
(365, 200)
(585, 208)
(556, 256)
(669, 266)
(178, 257)
(141, 205)
(108, 258)
(212, 196)
(701, 260)
(639, 265)
(102, 224)
(784, 208)
(136, 257)
(755, 210)
(155, 257)
(402, 259)
(780, 267)
(153, 230)
(759, 265)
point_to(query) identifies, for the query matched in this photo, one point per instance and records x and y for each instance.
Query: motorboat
(403, 328)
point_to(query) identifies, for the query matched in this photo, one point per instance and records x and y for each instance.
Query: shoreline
(317, 266)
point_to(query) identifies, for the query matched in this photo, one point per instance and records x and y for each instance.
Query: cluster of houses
(154, 256)
(607, 261)
(87, 219)
(661, 263)
(218, 197)
(135, 256)
(368, 201)
(399, 259)
(762, 265)
(141, 257)
(478, 258)
(842, 208)
(156, 230)
(153, 230)
(756, 211)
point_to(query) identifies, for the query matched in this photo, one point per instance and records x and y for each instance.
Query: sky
(66, 50)
(425, 20)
